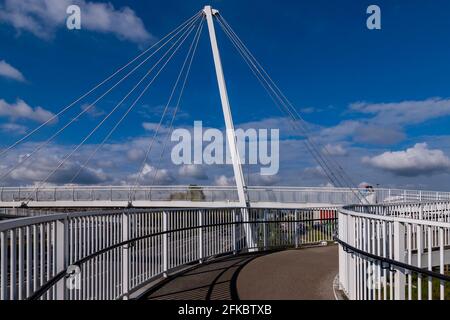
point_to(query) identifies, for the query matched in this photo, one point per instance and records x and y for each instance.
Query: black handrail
(391, 262)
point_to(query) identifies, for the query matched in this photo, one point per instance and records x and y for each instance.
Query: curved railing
(395, 251)
(113, 254)
(144, 195)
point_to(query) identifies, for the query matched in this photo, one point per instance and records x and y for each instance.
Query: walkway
(291, 274)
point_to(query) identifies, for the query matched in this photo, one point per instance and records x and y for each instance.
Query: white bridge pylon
(230, 134)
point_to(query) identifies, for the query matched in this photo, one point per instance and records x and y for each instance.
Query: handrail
(28, 221)
(49, 284)
(411, 238)
(120, 241)
(393, 262)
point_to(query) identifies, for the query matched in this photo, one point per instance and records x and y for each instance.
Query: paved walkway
(290, 274)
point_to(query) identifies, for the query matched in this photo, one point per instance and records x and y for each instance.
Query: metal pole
(125, 256)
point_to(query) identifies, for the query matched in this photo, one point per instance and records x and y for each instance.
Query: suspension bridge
(147, 241)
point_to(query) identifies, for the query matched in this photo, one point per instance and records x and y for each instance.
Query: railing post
(62, 245)
(399, 255)
(234, 232)
(3, 266)
(165, 244)
(296, 228)
(351, 258)
(343, 256)
(265, 229)
(200, 236)
(125, 256)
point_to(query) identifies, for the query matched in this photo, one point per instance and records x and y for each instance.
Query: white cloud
(151, 175)
(405, 112)
(153, 126)
(135, 154)
(193, 171)
(334, 150)
(13, 128)
(224, 181)
(314, 172)
(21, 110)
(43, 17)
(264, 180)
(35, 171)
(384, 123)
(92, 111)
(415, 161)
(8, 71)
(363, 131)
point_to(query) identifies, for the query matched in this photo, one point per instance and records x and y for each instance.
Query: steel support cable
(328, 172)
(340, 170)
(358, 194)
(4, 151)
(45, 143)
(120, 120)
(139, 174)
(287, 103)
(277, 103)
(186, 34)
(321, 160)
(193, 48)
(267, 86)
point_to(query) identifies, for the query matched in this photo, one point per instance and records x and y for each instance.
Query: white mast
(231, 137)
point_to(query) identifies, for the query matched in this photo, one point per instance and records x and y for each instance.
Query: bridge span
(386, 251)
(203, 196)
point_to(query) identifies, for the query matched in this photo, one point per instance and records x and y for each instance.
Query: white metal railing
(395, 251)
(320, 195)
(112, 254)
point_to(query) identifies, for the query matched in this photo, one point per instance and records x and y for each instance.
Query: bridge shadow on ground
(291, 274)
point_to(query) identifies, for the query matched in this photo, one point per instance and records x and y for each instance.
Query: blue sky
(379, 98)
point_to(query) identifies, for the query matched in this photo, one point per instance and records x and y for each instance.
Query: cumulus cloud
(151, 175)
(8, 71)
(224, 181)
(154, 126)
(334, 150)
(92, 111)
(43, 17)
(264, 180)
(405, 112)
(135, 154)
(21, 110)
(384, 123)
(415, 161)
(13, 128)
(193, 171)
(364, 132)
(33, 172)
(314, 172)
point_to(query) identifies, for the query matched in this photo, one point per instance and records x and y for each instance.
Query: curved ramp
(291, 274)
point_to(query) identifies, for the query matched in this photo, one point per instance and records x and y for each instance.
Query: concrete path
(291, 274)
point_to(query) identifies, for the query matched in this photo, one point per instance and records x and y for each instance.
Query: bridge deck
(291, 274)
